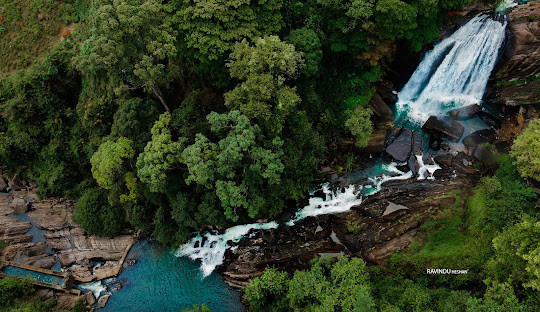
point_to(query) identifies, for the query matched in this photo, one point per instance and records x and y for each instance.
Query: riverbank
(40, 233)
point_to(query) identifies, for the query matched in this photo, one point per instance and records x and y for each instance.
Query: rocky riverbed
(41, 233)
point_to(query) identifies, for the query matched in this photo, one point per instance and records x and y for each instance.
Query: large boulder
(479, 137)
(418, 143)
(400, 148)
(444, 126)
(89, 298)
(377, 142)
(465, 111)
(485, 155)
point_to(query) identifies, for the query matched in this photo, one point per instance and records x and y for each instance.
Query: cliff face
(517, 79)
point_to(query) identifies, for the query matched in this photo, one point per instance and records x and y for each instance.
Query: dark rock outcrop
(400, 148)
(489, 119)
(379, 107)
(444, 126)
(479, 137)
(376, 144)
(485, 155)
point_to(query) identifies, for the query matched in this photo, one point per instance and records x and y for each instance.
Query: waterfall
(455, 73)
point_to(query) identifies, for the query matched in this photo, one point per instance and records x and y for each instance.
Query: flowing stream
(453, 74)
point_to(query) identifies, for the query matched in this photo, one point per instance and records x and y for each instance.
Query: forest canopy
(171, 116)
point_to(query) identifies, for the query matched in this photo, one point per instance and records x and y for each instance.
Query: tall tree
(130, 46)
(108, 162)
(238, 167)
(526, 149)
(211, 27)
(265, 69)
(160, 155)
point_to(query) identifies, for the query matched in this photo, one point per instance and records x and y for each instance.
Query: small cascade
(455, 73)
(96, 287)
(426, 171)
(210, 248)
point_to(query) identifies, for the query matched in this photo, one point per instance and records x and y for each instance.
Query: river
(455, 73)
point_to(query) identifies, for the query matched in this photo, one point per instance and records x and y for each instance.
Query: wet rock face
(515, 78)
(57, 237)
(400, 148)
(444, 126)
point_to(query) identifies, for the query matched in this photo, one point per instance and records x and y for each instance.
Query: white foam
(210, 248)
(334, 202)
(504, 5)
(96, 287)
(426, 169)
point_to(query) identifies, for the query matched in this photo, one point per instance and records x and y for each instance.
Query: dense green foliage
(198, 308)
(16, 295)
(14, 288)
(28, 28)
(495, 235)
(326, 286)
(172, 116)
(526, 149)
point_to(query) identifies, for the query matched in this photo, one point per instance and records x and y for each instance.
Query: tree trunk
(159, 94)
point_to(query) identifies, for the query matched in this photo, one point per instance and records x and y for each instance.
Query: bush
(198, 308)
(14, 288)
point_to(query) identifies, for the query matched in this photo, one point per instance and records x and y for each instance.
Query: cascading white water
(210, 248)
(455, 73)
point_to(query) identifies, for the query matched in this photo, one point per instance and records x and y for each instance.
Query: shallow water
(159, 281)
(38, 276)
